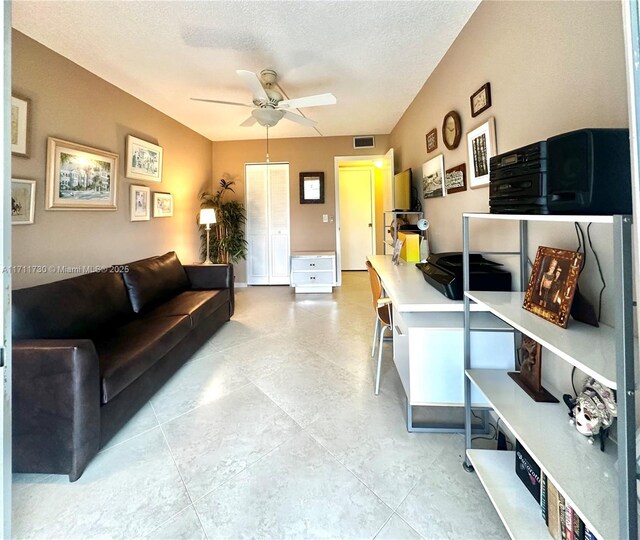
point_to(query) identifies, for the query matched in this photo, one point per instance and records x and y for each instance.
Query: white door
(5, 255)
(268, 230)
(356, 217)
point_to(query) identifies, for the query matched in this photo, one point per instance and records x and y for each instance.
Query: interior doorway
(359, 211)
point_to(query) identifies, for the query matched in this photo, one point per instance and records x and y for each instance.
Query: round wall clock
(451, 130)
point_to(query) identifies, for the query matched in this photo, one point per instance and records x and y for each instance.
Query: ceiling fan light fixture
(267, 117)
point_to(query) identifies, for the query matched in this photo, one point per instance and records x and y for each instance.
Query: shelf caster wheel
(467, 467)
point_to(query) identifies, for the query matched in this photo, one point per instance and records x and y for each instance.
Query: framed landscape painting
(80, 177)
(20, 125)
(144, 160)
(23, 201)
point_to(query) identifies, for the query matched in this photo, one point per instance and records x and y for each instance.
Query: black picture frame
(311, 188)
(480, 100)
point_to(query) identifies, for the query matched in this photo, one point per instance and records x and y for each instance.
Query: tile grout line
(186, 488)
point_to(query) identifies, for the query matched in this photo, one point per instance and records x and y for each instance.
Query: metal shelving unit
(610, 511)
(389, 217)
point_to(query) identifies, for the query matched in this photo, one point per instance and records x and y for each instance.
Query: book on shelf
(552, 511)
(561, 516)
(568, 522)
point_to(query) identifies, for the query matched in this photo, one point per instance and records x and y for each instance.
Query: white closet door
(279, 223)
(268, 234)
(257, 193)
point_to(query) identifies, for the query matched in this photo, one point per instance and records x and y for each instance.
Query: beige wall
(553, 67)
(308, 232)
(73, 104)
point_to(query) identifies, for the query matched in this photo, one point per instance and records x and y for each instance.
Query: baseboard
(240, 285)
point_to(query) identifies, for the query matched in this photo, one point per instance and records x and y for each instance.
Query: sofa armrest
(56, 405)
(212, 276)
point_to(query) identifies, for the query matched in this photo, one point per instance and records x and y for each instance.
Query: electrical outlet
(325, 218)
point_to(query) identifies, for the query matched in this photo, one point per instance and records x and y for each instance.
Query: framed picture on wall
(481, 146)
(433, 177)
(20, 125)
(455, 179)
(23, 201)
(139, 204)
(432, 140)
(162, 204)
(481, 100)
(80, 177)
(144, 160)
(311, 188)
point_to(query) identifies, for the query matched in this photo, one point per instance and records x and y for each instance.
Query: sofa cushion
(197, 305)
(75, 308)
(133, 348)
(152, 280)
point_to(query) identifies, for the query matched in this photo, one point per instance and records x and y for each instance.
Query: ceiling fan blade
(249, 122)
(309, 101)
(299, 119)
(223, 102)
(251, 80)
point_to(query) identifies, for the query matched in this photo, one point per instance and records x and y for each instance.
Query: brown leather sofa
(89, 351)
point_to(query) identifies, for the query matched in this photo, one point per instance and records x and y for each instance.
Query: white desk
(428, 342)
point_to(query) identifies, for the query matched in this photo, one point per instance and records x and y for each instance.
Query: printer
(444, 272)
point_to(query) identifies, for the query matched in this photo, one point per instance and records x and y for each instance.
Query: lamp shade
(207, 216)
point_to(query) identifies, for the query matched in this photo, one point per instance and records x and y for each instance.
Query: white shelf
(585, 476)
(539, 217)
(590, 349)
(518, 510)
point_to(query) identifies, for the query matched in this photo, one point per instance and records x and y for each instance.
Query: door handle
(370, 224)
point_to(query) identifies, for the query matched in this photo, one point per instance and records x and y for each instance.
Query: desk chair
(382, 308)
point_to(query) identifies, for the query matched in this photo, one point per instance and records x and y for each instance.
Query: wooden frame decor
(139, 209)
(455, 179)
(23, 201)
(433, 177)
(451, 130)
(144, 160)
(162, 204)
(20, 125)
(480, 100)
(481, 147)
(311, 188)
(552, 284)
(80, 177)
(432, 140)
(530, 375)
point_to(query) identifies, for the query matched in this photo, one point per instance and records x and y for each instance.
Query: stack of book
(563, 522)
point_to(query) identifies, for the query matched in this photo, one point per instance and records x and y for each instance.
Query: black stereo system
(587, 171)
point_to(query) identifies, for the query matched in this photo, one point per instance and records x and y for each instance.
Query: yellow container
(410, 251)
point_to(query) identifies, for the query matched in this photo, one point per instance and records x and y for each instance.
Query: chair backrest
(376, 293)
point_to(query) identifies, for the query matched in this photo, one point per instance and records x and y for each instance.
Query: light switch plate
(325, 218)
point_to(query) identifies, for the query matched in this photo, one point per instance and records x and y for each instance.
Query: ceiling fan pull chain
(267, 144)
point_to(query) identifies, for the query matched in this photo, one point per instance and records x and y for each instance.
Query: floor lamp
(207, 217)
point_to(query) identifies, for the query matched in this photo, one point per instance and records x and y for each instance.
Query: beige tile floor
(271, 431)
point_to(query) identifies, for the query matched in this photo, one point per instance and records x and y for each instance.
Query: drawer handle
(312, 264)
(399, 332)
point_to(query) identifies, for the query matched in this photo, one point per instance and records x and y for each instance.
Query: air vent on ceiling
(364, 142)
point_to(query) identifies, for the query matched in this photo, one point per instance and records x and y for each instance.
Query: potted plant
(227, 243)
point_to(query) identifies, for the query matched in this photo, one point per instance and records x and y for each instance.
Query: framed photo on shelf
(23, 201)
(80, 177)
(433, 177)
(481, 147)
(432, 140)
(162, 204)
(552, 284)
(455, 179)
(481, 100)
(140, 209)
(144, 160)
(20, 125)
(311, 188)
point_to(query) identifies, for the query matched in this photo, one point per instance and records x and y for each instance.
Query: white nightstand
(313, 271)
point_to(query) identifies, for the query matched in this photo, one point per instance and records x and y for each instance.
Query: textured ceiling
(373, 56)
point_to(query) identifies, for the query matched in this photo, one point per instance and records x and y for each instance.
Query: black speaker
(589, 172)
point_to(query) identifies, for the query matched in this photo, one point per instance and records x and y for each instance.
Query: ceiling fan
(269, 104)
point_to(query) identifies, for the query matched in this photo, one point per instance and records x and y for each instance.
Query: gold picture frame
(80, 177)
(552, 284)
